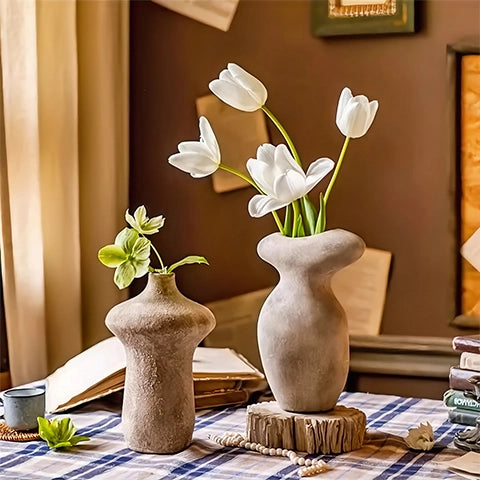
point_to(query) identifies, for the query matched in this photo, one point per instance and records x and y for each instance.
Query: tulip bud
(355, 114)
(239, 89)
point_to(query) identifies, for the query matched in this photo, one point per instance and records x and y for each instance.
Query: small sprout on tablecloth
(59, 433)
(421, 437)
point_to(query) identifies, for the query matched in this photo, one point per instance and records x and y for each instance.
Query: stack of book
(460, 397)
(221, 376)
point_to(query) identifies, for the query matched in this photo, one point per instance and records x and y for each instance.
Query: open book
(221, 377)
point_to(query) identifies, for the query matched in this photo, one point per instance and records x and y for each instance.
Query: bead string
(309, 467)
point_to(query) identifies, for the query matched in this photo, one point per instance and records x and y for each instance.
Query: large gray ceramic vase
(302, 328)
(160, 329)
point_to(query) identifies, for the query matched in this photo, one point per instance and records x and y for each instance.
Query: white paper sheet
(218, 14)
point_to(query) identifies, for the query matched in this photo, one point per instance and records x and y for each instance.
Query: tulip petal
(261, 174)
(355, 114)
(266, 153)
(227, 76)
(255, 87)
(317, 170)
(260, 205)
(233, 95)
(345, 97)
(284, 160)
(194, 163)
(290, 186)
(355, 120)
(194, 147)
(373, 107)
(208, 136)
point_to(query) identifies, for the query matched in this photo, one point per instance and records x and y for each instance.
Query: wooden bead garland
(309, 467)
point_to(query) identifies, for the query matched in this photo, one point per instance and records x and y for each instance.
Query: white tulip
(199, 159)
(355, 114)
(281, 178)
(239, 89)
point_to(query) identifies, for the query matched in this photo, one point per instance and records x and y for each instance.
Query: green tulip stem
(233, 171)
(241, 175)
(296, 213)
(287, 138)
(337, 169)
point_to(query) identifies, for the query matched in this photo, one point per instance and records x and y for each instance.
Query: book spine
(458, 378)
(463, 417)
(456, 398)
(466, 343)
(470, 361)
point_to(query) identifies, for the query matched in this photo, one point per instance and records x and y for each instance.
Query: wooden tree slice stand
(336, 431)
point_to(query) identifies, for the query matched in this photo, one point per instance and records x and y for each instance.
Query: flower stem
(158, 255)
(253, 184)
(234, 171)
(287, 138)
(337, 169)
(296, 212)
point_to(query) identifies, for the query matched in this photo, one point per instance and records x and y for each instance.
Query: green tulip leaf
(298, 230)
(309, 215)
(186, 261)
(59, 433)
(321, 220)
(287, 224)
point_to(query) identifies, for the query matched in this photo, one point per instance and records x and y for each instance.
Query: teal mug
(22, 406)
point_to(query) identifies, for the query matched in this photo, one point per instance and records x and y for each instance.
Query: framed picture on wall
(358, 17)
(463, 60)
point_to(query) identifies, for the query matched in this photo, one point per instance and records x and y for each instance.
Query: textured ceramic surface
(160, 329)
(302, 328)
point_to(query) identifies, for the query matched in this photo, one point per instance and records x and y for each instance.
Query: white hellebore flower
(199, 159)
(355, 114)
(239, 89)
(281, 178)
(142, 224)
(421, 437)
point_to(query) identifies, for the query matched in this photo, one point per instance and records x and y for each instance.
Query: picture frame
(463, 67)
(358, 17)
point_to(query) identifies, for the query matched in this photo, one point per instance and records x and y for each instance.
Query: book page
(468, 463)
(361, 289)
(218, 14)
(223, 362)
(92, 366)
(100, 370)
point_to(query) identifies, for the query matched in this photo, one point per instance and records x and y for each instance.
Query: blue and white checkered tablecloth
(106, 456)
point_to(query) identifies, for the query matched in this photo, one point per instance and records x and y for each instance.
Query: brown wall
(394, 187)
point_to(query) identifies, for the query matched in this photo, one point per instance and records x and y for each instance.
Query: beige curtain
(63, 173)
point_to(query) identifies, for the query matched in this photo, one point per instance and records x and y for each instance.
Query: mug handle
(1, 403)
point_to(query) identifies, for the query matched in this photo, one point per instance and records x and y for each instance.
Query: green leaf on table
(59, 433)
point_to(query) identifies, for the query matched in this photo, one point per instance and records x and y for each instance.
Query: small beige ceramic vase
(160, 329)
(302, 328)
